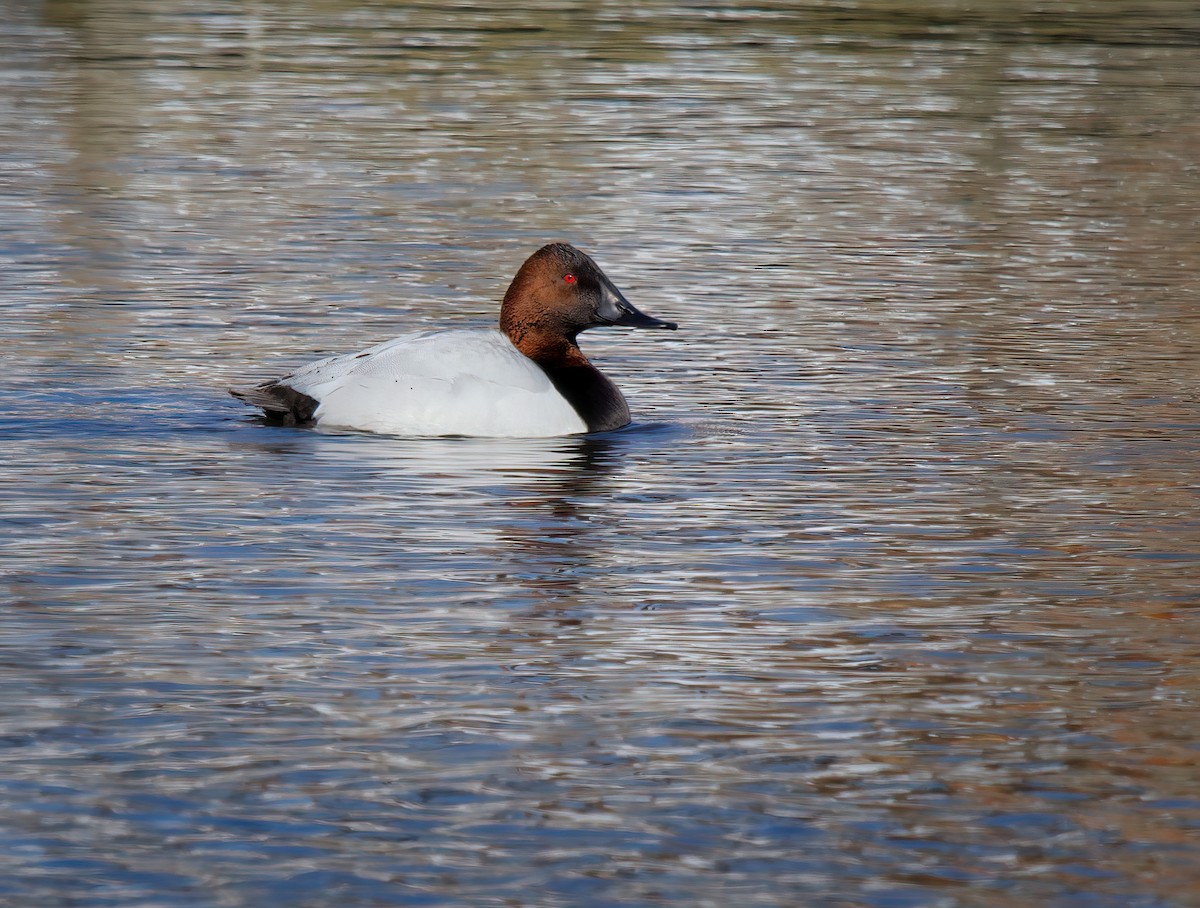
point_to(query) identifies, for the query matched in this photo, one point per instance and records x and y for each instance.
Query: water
(886, 599)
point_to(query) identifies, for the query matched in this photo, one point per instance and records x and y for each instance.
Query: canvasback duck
(528, 379)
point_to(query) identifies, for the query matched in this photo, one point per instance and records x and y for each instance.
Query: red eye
(569, 278)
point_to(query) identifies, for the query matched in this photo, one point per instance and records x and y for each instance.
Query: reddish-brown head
(560, 291)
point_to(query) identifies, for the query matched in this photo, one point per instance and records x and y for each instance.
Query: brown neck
(534, 331)
(597, 400)
(546, 348)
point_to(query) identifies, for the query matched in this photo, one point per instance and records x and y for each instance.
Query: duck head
(559, 292)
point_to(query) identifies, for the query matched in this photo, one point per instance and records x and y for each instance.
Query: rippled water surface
(887, 598)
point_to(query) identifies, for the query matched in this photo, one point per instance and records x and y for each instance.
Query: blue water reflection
(885, 599)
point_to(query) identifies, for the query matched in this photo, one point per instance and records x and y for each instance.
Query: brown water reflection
(887, 599)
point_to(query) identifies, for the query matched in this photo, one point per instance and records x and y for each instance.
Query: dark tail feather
(280, 403)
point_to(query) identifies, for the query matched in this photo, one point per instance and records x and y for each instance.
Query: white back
(460, 382)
